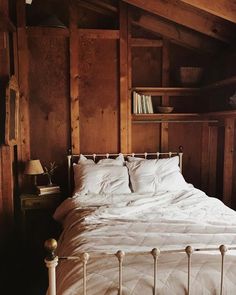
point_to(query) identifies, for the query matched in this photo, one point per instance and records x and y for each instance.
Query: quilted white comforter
(134, 222)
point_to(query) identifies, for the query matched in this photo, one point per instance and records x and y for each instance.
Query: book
(45, 190)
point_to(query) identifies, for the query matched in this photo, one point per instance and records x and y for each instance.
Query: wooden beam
(98, 7)
(165, 97)
(221, 83)
(74, 81)
(44, 31)
(99, 34)
(7, 187)
(178, 34)
(124, 91)
(205, 158)
(225, 9)
(228, 161)
(181, 14)
(23, 150)
(212, 160)
(171, 91)
(129, 66)
(5, 23)
(141, 42)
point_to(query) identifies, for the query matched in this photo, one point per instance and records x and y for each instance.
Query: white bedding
(140, 222)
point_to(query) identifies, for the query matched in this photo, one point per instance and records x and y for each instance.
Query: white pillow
(156, 175)
(118, 161)
(101, 179)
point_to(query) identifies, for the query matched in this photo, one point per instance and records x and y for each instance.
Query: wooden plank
(205, 158)
(178, 34)
(23, 150)
(46, 31)
(98, 96)
(74, 81)
(225, 9)
(181, 14)
(171, 91)
(142, 42)
(165, 98)
(228, 161)
(221, 83)
(7, 188)
(129, 65)
(1, 193)
(99, 34)
(124, 101)
(213, 137)
(99, 7)
(6, 24)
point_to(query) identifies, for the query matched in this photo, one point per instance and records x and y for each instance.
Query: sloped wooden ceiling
(225, 9)
(196, 24)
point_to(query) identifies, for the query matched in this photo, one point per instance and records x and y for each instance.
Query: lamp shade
(33, 167)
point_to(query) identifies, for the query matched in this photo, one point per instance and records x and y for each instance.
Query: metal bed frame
(51, 245)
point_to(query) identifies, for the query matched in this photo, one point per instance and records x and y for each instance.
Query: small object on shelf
(50, 172)
(165, 110)
(190, 76)
(46, 189)
(142, 104)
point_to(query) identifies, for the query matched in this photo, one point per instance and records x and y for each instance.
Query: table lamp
(34, 168)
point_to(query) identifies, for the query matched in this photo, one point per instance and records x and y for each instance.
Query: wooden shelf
(221, 83)
(171, 91)
(182, 117)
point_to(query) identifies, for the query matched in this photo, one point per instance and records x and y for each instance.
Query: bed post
(51, 262)
(69, 173)
(181, 158)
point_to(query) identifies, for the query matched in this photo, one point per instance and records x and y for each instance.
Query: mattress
(140, 222)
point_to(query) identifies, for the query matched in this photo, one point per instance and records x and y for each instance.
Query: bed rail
(52, 260)
(146, 155)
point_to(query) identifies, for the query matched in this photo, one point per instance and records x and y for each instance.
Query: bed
(162, 236)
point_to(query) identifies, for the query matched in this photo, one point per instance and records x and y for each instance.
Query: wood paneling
(146, 67)
(177, 34)
(181, 14)
(124, 92)
(23, 76)
(98, 96)
(74, 81)
(225, 9)
(49, 101)
(228, 161)
(182, 134)
(146, 137)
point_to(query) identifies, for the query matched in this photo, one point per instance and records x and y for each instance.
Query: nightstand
(36, 216)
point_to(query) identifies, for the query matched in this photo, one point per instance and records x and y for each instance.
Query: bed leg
(51, 262)
(120, 255)
(189, 251)
(223, 249)
(155, 253)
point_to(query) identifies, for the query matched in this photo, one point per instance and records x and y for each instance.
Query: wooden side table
(32, 203)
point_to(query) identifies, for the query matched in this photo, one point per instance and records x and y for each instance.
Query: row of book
(142, 104)
(48, 189)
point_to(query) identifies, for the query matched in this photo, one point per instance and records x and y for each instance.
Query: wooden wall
(86, 76)
(49, 102)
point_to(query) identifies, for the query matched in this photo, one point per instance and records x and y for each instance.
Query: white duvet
(140, 222)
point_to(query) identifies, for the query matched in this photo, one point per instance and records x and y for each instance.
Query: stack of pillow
(118, 176)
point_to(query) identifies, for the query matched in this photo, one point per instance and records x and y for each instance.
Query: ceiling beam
(183, 14)
(177, 34)
(98, 7)
(225, 8)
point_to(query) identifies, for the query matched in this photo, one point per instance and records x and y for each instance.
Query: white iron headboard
(74, 159)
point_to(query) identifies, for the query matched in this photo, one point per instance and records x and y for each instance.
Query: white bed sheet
(140, 222)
